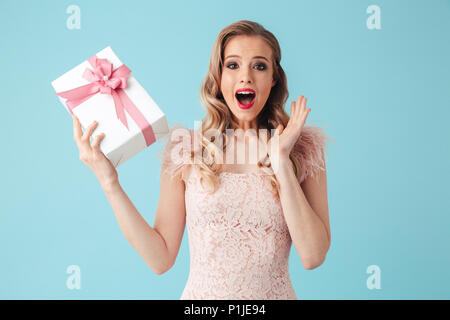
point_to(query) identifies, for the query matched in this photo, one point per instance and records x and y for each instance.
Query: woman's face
(247, 67)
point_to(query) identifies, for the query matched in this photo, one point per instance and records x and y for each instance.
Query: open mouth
(245, 98)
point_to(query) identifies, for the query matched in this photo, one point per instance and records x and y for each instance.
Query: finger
(304, 104)
(277, 131)
(87, 134)
(280, 129)
(305, 115)
(76, 128)
(299, 102)
(293, 114)
(306, 110)
(297, 111)
(303, 112)
(97, 140)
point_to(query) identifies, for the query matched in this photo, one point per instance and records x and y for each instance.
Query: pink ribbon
(105, 80)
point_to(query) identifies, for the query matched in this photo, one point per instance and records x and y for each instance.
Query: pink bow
(105, 80)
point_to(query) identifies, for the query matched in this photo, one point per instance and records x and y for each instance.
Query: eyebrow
(255, 57)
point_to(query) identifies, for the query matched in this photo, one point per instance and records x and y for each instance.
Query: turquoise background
(384, 96)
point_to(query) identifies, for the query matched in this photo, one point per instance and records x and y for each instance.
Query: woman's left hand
(287, 137)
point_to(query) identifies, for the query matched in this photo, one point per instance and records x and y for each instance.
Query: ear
(274, 82)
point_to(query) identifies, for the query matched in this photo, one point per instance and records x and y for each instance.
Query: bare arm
(306, 214)
(305, 206)
(158, 247)
(143, 238)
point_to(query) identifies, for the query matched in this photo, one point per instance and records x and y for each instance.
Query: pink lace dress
(238, 239)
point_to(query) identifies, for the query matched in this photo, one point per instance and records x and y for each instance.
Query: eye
(261, 66)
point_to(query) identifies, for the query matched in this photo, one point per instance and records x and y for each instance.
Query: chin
(245, 114)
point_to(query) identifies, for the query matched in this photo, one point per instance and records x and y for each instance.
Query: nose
(246, 76)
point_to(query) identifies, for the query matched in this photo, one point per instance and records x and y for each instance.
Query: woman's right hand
(91, 155)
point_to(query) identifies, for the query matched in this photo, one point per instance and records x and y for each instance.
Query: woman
(241, 227)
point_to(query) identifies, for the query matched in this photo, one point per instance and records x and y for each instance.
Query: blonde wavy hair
(218, 114)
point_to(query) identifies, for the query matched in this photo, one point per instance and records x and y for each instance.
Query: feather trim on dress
(178, 145)
(176, 151)
(308, 150)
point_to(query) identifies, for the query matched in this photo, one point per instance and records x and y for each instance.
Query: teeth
(245, 92)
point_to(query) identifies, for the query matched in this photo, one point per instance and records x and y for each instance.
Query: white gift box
(119, 143)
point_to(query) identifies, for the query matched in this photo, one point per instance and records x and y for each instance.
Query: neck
(245, 125)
